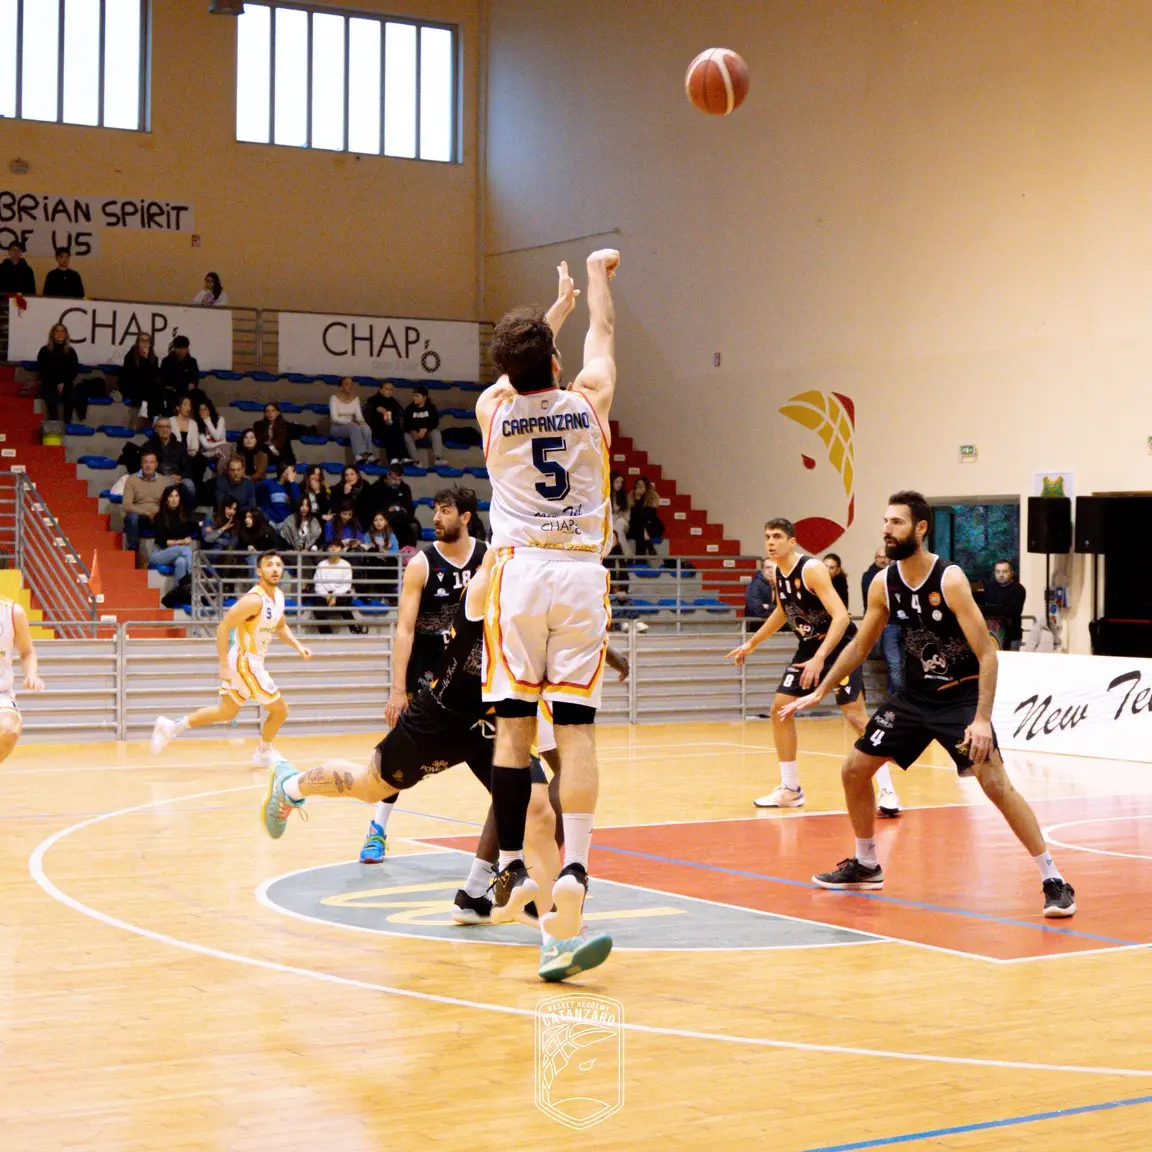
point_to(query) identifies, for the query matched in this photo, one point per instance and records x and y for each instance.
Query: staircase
(127, 595)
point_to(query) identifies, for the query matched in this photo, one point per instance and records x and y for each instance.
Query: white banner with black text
(319, 345)
(1097, 706)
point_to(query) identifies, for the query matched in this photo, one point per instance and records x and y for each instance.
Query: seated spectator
(185, 427)
(344, 527)
(352, 487)
(274, 436)
(254, 457)
(175, 532)
(381, 538)
(619, 500)
(140, 380)
(142, 494)
(839, 578)
(218, 528)
(644, 523)
(255, 535)
(386, 419)
(16, 275)
(58, 366)
(235, 484)
(179, 372)
(393, 497)
(302, 531)
(347, 419)
(1004, 605)
(212, 295)
(63, 280)
(317, 492)
(333, 585)
(890, 646)
(760, 595)
(172, 457)
(276, 498)
(422, 427)
(211, 433)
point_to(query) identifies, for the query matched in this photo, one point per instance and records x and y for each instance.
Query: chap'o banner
(379, 346)
(1080, 705)
(103, 330)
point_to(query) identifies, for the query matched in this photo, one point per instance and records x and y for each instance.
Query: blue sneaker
(277, 805)
(375, 845)
(563, 958)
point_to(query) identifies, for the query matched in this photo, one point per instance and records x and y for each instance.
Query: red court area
(956, 878)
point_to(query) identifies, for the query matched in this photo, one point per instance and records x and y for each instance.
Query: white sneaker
(888, 803)
(162, 732)
(267, 758)
(783, 797)
(641, 626)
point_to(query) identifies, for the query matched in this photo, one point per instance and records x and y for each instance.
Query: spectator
(386, 419)
(142, 494)
(235, 484)
(63, 280)
(890, 646)
(211, 433)
(212, 295)
(179, 372)
(58, 366)
(140, 380)
(422, 427)
(644, 524)
(1004, 605)
(760, 595)
(172, 456)
(344, 527)
(218, 528)
(393, 497)
(839, 579)
(618, 581)
(381, 565)
(274, 435)
(276, 498)
(174, 534)
(254, 457)
(253, 536)
(303, 529)
(317, 492)
(333, 585)
(184, 426)
(347, 419)
(16, 273)
(381, 538)
(353, 488)
(619, 499)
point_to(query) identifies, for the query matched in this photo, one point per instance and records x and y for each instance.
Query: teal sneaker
(563, 958)
(277, 805)
(375, 845)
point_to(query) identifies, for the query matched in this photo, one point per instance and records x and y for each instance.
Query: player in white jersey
(242, 640)
(14, 638)
(547, 618)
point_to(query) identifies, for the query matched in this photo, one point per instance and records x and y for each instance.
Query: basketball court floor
(173, 979)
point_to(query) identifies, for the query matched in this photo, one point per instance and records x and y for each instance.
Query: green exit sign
(967, 453)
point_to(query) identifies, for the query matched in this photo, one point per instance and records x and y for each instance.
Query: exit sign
(967, 453)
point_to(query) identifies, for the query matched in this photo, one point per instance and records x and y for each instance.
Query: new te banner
(1077, 705)
(102, 331)
(379, 346)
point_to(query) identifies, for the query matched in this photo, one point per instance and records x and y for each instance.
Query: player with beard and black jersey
(950, 682)
(434, 584)
(806, 599)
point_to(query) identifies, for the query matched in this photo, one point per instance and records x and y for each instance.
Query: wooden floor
(156, 997)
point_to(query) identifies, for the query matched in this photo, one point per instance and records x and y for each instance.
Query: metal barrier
(32, 541)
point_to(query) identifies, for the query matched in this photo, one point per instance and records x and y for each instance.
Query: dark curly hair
(522, 349)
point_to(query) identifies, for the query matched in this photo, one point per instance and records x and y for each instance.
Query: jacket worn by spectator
(58, 370)
(277, 500)
(759, 598)
(179, 375)
(301, 539)
(243, 493)
(1006, 602)
(142, 496)
(17, 277)
(417, 417)
(866, 582)
(64, 282)
(840, 584)
(171, 458)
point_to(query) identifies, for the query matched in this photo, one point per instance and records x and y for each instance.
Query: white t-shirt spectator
(333, 577)
(214, 440)
(204, 299)
(341, 411)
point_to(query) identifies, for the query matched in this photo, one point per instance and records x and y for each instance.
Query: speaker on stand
(1090, 539)
(1049, 530)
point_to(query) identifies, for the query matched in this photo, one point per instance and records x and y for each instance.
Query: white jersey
(7, 645)
(252, 637)
(547, 457)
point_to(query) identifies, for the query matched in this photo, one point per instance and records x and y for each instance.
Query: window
(314, 78)
(74, 61)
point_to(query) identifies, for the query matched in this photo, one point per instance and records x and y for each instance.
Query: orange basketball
(717, 81)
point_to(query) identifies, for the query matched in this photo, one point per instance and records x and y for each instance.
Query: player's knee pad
(515, 709)
(565, 713)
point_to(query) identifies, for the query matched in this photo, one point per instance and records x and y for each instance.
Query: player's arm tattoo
(325, 781)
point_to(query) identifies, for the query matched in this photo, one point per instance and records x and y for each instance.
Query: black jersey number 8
(558, 486)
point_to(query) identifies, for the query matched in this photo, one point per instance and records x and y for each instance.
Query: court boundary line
(38, 873)
(1045, 832)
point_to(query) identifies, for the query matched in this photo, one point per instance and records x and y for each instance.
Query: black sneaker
(851, 876)
(471, 909)
(1059, 898)
(512, 889)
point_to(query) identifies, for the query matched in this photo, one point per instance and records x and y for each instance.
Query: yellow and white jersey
(253, 636)
(7, 645)
(547, 457)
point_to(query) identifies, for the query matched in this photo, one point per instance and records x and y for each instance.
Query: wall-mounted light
(226, 7)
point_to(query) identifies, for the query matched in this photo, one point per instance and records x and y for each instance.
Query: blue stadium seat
(483, 505)
(343, 441)
(309, 439)
(641, 607)
(78, 430)
(686, 607)
(373, 469)
(233, 435)
(225, 374)
(447, 471)
(296, 377)
(247, 405)
(30, 365)
(100, 463)
(414, 470)
(163, 569)
(117, 431)
(329, 379)
(230, 601)
(437, 385)
(428, 534)
(711, 604)
(424, 502)
(370, 607)
(366, 381)
(288, 408)
(265, 377)
(333, 468)
(319, 409)
(99, 401)
(112, 497)
(479, 473)
(468, 386)
(639, 568)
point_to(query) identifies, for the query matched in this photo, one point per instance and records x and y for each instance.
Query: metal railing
(32, 541)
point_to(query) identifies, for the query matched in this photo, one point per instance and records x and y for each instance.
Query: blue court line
(1010, 1122)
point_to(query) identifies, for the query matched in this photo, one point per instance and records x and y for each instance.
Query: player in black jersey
(806, 599)
(434, 583)
(949, 685)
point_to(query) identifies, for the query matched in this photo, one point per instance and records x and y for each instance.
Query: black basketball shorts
(902, 727)
(849, 689)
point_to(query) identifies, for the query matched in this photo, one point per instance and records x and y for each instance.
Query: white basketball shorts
(8, 704)
(546, 628)
(250, 679)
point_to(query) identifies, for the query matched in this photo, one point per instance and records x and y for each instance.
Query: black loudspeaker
(1090, 532)
(1049, 524)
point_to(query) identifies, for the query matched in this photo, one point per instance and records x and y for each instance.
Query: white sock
(506, 858)
(577, 837)
(1048, 870)
(884, 777)
(790, 774)
(263, 745)
(479, 877)
(866, 853)
(182, 725)
(383, 811)
(292, 787)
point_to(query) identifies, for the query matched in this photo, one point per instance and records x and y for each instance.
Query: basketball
(717, 81)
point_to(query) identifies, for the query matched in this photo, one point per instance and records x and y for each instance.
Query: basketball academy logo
(832, 416)
(579, 1058)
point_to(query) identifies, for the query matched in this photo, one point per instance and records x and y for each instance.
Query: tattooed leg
(344, 778)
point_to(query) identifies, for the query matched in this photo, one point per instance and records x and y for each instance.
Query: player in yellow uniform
(14, 638)
(242, 640)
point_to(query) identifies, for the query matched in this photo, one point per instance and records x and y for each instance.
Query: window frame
(144, 99)
(383, 19)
